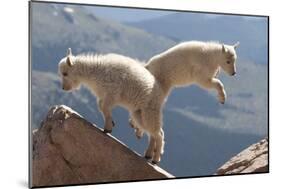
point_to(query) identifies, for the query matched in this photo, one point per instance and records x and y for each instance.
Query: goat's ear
(224, 49)
(68, 57)
(236, 45)
(69, 61)
(68, 52)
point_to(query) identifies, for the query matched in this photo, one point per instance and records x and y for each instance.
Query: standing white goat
(119, 80)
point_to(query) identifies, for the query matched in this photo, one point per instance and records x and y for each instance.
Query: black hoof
(147, 157)
(154, 162)
(131, 124)
(113, 124)
(222, 102)
(107, 131)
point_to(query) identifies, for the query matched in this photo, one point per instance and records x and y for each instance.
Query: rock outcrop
(69, 150)
(254, 159)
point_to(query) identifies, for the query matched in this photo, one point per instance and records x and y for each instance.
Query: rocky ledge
(254, 159)
(67, 149)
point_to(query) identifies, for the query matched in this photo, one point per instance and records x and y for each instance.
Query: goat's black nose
(233, 73)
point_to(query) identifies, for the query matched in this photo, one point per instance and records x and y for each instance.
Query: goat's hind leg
(159, 147)
(153, 124)
(151, 148)
(155, 148)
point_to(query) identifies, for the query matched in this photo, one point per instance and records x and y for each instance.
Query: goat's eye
(64, 74)
(228, 62)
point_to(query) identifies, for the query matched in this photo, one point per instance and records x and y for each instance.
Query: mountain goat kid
(119, 80)
(194, 62)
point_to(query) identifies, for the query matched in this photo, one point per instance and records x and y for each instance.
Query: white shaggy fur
(119, 80)
(194, 62)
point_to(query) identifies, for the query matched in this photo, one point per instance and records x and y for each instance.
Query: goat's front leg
(216, 84)
(105, 107)
(136, 123)
(139, 132)
(132, 123)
